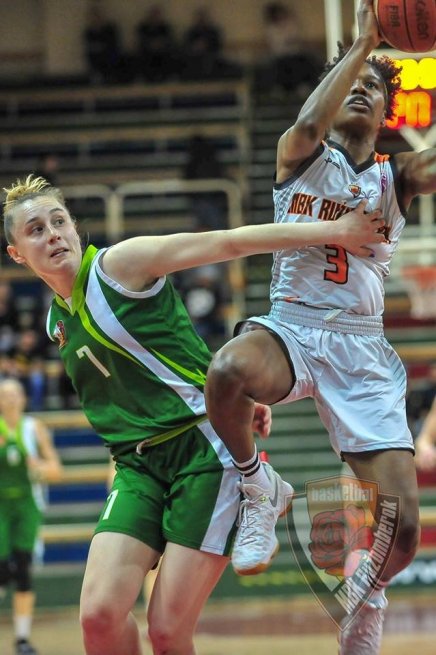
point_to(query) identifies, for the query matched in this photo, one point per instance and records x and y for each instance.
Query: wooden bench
(64, 533)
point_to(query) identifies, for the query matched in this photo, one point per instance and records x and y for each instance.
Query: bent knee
(227, 370)
(96, 619)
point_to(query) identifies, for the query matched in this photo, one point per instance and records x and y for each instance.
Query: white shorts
(356, 378)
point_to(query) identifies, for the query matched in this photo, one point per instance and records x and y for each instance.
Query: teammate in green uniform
(139, 370)
(27, 457)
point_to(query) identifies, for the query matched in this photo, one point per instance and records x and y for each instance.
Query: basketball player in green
(139, 369)
(27, 458)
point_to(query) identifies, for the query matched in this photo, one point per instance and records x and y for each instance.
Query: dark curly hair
(386, 68)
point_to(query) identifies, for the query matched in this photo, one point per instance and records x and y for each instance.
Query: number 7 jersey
(134, 358)
(325, 187)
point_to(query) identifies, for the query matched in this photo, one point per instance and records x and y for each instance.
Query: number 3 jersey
(134, 358)
(323, 188)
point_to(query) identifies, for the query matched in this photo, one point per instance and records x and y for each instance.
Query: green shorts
(184, 491)
(20, 519)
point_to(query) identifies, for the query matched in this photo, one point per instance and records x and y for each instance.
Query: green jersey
(15, 446)
(134, 358)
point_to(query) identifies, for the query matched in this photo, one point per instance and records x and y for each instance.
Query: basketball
(407, 25)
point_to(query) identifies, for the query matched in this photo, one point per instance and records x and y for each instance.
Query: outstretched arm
(136, 263)
(317, 113)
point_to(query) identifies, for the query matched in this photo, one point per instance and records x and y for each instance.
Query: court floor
(257, 627)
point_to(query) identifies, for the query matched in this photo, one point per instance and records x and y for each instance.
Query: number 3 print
(337, 257)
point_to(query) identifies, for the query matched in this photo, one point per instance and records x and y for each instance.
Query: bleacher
(112, 134)
(107, 136)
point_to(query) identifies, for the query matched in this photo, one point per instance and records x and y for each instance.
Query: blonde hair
(32, 187)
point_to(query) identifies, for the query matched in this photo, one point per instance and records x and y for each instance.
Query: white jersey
(325, 187)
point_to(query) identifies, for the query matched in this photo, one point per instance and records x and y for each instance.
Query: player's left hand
(262, 420)
(425, 455)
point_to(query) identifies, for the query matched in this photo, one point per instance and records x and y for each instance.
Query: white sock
(253, 472)
(22, 626)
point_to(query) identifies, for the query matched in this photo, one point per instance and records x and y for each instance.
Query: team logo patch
(60, 334)
(339, 548)
(355, 189)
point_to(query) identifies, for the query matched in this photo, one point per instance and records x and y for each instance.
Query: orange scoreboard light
(415, 100)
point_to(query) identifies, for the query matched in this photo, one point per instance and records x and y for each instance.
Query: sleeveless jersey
(15, 446)
(134, 358)
(324, 187)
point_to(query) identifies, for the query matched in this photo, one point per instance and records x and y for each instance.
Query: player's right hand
(367, 22)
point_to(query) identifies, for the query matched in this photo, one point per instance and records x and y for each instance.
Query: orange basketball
(407, 25)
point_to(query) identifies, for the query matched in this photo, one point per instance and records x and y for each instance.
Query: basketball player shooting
(323, 337)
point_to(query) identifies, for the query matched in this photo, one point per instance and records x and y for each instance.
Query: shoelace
(248, 520)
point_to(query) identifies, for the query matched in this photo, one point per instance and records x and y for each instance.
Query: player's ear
(15, 255)
(383, 121)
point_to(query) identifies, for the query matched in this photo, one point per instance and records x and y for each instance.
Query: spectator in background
(48, 168)
(9, 318)
(26, 363)
(157, 47)
(102, 47)
(203, 289)
(291, 66)
(27, 458)
(210, 207)
(203, 45)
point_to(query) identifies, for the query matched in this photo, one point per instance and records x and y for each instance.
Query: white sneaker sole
(259, 568)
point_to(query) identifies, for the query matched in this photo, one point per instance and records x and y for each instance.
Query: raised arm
(136, 263)
(317, 113)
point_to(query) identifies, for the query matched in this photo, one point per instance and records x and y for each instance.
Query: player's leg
(254, 366)
(394, 470)
(360, 398)
(251, 367)
(127, 544)
(23, 601)
(184, 582)
(24, 535)
(5, 549)
(115, 570)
